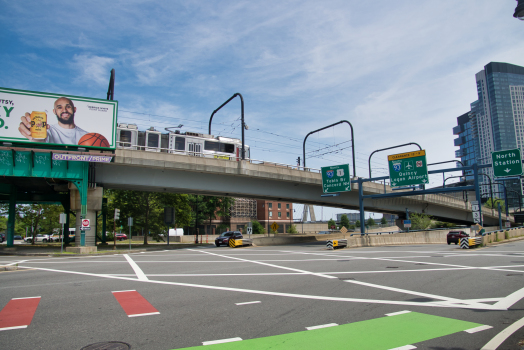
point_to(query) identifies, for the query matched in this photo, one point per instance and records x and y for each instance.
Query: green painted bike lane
(381, 333)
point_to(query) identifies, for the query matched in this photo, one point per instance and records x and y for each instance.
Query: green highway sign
(406, 169)
(507, 163)
(336, 179)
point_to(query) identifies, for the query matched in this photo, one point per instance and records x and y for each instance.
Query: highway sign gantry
(507, 163)
(336, 179)
(407, 169)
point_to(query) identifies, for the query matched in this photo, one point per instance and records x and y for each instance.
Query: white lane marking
(9, 328)
(405, 291)
(16, 262)
(478, 329)
(511, 299)
(398, 313)
(289, 295)
(122, 291)
(148, 314)
(494, 343)
(138, 271)
(405, 347)
(221, 341)
(249, 302)
(322, 326)
(25, 298)
(272, 265)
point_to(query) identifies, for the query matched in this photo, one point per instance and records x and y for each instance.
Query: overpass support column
(11, 218)
(93, 203)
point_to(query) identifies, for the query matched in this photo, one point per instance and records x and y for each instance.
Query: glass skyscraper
(494, 123)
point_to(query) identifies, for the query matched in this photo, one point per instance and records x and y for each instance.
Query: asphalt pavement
(281, 297)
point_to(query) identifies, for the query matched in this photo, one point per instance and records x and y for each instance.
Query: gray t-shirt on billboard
(57, 134)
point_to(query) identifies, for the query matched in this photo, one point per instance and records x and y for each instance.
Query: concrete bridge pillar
(94, 204)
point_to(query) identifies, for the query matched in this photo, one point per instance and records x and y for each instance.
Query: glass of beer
(38, 125)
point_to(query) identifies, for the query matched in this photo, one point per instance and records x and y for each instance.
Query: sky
(399, 71)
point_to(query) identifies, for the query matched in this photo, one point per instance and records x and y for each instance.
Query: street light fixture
(519, 10)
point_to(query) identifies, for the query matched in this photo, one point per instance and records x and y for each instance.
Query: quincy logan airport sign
(90, 116)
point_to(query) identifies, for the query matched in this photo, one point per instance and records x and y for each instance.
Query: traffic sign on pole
(407, 169)
(507, 163)
(274, 226)
(85, 225)
(336, 178)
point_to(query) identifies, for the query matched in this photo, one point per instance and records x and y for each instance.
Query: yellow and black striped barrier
(466, 243)
(336, 243)
(233, 243)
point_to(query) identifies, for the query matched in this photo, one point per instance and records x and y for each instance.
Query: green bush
(258, 228)
(506, 234)
(292, 229)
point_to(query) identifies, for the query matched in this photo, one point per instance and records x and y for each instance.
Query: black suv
(2, 237)
(224, 237)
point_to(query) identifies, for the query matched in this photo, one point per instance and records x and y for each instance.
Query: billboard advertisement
(37, 117)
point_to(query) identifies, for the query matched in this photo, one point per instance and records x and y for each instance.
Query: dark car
(18, 238)
(455, 236)
(2, 237)
(121, 236)
(224, 237)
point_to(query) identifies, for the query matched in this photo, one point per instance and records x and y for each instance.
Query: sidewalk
(40, 249)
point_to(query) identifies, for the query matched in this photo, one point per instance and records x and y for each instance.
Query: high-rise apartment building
(494, 123)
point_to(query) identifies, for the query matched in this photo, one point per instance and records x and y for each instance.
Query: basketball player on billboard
(65, 132)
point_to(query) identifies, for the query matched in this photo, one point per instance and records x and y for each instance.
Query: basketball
(93, 139)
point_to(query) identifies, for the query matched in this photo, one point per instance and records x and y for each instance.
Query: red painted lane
(18, 313)
(134, 304)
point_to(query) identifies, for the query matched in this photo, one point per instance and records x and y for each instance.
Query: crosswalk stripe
(18, 313)
(134, 304)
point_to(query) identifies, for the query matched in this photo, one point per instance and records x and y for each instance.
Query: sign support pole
(477, 190)
(361, 206)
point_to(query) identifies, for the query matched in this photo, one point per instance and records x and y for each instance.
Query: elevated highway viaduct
(163, 172)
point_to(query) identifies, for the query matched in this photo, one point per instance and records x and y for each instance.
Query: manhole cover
(343, 260)
(108, 345)
(392, 267)
(420, 264)
(514, 274)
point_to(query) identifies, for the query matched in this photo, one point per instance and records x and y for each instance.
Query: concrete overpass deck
(164, 172)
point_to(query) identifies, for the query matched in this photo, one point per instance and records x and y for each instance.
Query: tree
(357, 223)
(370, 222)
(147, 210)
(383, 221)
(331, 223)
(39, 218)
(258, 228)
(292, 229)
(420, 221)
(494, 204)
(344, 221)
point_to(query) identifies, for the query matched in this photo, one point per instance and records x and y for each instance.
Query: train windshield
(153, 140)
(125, 136)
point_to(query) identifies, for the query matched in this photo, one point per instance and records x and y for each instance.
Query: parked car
(224, 237)
(38, 238)
(455, 236)
(121, 236)
(2, 237)
(18, 238)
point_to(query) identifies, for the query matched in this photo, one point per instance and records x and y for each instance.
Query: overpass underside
(161, 172)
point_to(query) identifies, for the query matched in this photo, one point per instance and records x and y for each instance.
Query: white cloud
(93, 68)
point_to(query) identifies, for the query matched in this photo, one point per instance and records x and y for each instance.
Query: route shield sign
(507, 163)
(406, 169)
(336, 179)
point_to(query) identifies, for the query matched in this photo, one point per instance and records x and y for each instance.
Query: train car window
(180, 143)
(211, 146)
(153, 140)
(125, 136)
(227, 148)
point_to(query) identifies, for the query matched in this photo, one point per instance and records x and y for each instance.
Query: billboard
(62, 120)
